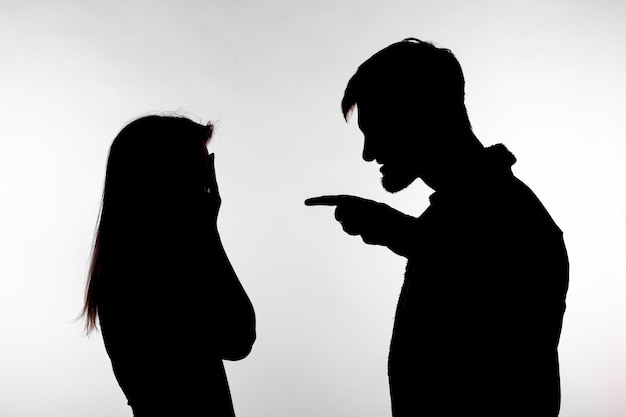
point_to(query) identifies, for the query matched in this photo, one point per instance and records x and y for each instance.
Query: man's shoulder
(499, 205)
(527, 206)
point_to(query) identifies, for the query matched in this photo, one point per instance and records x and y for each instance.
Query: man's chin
(393, 185)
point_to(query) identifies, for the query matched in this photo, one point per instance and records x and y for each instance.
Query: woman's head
(157, 172)
(155, 154)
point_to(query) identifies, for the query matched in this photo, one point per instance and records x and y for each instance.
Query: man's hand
(376, 223)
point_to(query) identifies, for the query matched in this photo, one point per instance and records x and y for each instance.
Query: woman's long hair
(152, 163)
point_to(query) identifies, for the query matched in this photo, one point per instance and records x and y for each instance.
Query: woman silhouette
(168, 301)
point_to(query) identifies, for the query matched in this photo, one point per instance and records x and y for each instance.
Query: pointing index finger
(326, 200)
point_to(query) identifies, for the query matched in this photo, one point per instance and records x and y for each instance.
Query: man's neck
(460, 164)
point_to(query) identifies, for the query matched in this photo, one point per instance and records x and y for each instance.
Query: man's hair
(408, 73)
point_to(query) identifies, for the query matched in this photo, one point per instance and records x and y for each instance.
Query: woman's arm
(234, 319)
(233, 314)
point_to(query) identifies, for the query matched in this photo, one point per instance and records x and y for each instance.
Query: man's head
(410, 101)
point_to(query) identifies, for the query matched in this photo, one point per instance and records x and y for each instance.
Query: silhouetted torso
(157, 316)
(480, 313)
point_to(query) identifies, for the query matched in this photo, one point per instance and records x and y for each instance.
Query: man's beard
(394, 181)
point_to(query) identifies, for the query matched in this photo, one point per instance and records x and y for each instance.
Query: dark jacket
(480, 312)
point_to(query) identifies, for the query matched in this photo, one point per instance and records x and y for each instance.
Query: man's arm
(376, 223)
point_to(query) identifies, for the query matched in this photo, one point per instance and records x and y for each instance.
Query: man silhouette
(480, 312)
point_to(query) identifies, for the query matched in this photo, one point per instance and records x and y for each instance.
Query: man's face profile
(396, 141)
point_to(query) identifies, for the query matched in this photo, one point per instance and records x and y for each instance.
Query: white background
(544, 77)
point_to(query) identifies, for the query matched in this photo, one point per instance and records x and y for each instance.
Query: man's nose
(368, 151)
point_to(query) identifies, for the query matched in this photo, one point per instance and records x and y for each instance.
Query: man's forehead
(377, 109)
(368, 108)
(374, 117)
